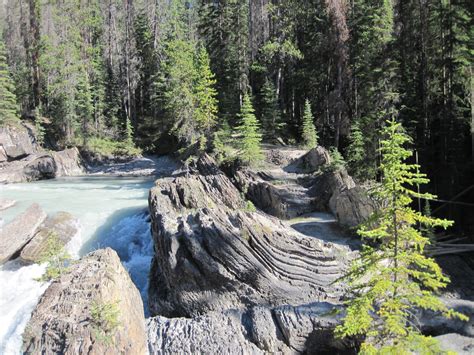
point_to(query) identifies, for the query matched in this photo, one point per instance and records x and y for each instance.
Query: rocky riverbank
(246, 261)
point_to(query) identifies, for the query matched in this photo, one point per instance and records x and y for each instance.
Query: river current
(112, 212)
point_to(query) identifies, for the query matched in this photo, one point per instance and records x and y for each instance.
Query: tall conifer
(8, 105)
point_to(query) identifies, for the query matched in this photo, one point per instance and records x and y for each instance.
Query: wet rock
(62, 226)
(351, 206)
(18, 232)
(6, 203)
(62, 322)
(212, 254)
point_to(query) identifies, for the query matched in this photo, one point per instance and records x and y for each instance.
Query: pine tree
(129, 134)
(309, 134)
(390, 280)
(8, 105)
(270, 116)
(359, 166)
(248, 135)
(205, 94)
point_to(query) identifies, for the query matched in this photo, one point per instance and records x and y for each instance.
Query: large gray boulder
(15, 235)
(351, 206)
(68, 163)
(16, 142)
(62, 227)
(213, 254)
(62, 322)
(314, 160)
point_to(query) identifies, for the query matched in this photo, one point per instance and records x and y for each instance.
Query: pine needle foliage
(393, 277)
(309, 134)
(248, 136)
(8, 105)
(270, 112)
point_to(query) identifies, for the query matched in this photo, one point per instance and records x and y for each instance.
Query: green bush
(105, 320)
(56, 256)
(108, 147)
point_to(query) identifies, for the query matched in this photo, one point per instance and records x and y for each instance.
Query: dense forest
(168, 74)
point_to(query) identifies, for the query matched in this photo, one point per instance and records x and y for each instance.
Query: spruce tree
(393, 277)
(309, 134)
(8, 105)
(359, 166)
(248, 135)
(205, 94)
(270, 116)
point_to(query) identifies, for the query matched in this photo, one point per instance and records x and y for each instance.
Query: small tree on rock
(309, 134)
(393, 277)
(270, 115)
(248, 135)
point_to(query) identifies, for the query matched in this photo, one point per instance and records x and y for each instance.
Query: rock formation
(15, 235)
(62, 322)
(62, 226)
(22, 160)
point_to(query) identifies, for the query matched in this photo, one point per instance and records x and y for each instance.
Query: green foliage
(336, 161)
(108, 148)
(8, 105)
(222, 144)
(250, 207)
(361, 164)
(309, 134)
(205, 94)
(270, 112)
(247, 135)
(56, 256)
(105, 321)
(129, 133)
(393, 276)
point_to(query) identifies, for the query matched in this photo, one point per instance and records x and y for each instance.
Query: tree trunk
(35, 14)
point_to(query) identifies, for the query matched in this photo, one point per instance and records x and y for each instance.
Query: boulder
(6, 203)
(17, 141)
(68, 163)
(3, 155)
(315, 159)
(461, 345)
(351, 206)
(62, 322)
(18, 232)
(41, 167)
(211, 253)
(62, 225)
(326, 184)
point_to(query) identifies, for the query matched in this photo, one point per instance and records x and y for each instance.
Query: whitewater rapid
(112, 212)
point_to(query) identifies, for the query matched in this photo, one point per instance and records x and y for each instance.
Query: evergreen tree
(309, 134)
(8, 105)
(394, 277)
(129, 133)
(270, 112)
(248, 135)
(359, 166)
(205, 94)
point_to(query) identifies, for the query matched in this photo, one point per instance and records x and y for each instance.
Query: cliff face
(72, 315)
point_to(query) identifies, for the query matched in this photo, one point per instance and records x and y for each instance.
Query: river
(112, 212)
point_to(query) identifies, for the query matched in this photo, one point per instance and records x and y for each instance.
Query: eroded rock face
(259, 330)
(351, 206)
(62, 226)
(20, 231)
(314, 159)
(21, 160)
(211, 254)
(16, 142)
(461, 345)
(62, 321)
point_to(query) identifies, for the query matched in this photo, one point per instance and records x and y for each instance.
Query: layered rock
(15, 235)
(22, 160)
(212, 254)
(260, 330)
(62, 226)
(62, 322)
(351, 206)
(6, 203)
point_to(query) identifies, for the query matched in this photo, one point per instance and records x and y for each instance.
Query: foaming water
(112, 212)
